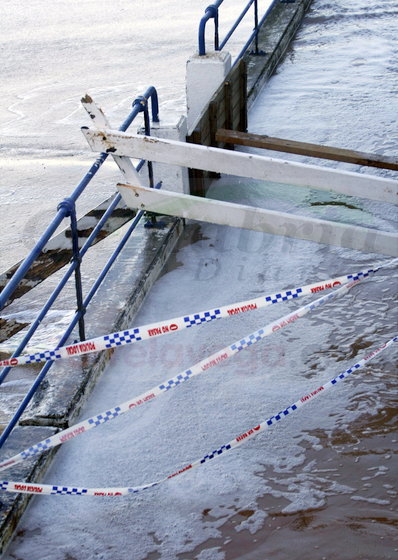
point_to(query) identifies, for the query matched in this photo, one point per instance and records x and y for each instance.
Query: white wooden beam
(259, 219)
(242, 164)
(99, 119)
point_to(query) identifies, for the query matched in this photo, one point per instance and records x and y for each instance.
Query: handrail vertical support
(256, 23)
(256, 31)
(70, 205)
(211, 12)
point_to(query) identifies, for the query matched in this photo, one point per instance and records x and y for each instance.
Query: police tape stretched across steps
(200, 367)
(167, 327)
(49, 489)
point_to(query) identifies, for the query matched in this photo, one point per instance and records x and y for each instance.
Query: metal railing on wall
(211, 12)
(67, 209)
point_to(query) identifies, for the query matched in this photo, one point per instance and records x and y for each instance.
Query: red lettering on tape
(317, 289)
(35, 489)
(72, 434)
(181, 471)
(248, 307)
(7, 463)
(154, 332)
(24, 488)
(86, 347)
(215, 361)
(233, 311)
(311, 395)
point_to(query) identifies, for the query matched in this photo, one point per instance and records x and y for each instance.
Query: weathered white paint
(174, 178)
(242, 164)
(259, 219)
(99, 119)
(204, 76)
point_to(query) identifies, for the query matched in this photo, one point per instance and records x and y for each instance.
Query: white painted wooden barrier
(99, 119)
(121, 145)
(259, 219)
(242, 164)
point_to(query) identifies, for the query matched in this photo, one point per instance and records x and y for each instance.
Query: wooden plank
(306, 149)
(260, 219)
(242, 165)
(243, 84)
(196, 179)
(221, 116)
(228, 111)
(236, 101)
(233, 75)
(228, 103)
(213, 122)
(204, 133)
(237, 118)
(236, 85)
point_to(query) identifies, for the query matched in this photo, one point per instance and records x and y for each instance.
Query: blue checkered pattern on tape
(71, 491)
(38, 448)
(4, 485)
(320, 301)
(283, 296)
(281, 414)
(117, 339)
(135, 490)
(215, 453)
(248, 341)
(360, 275)
(40, 356)
(176, 381)
(102, 418)
(344, 374)
(200, 318)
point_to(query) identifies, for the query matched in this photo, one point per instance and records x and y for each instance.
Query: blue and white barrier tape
(145, 332)
(47, 489)
(200, 367)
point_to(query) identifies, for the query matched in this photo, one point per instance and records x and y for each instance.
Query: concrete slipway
(322, 484)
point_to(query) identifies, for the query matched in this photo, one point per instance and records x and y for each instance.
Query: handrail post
(148, 133)
(211, 12)
(216, 42)
(142, 101)
(256, 23)
(153, 94)
(71, 211)
(256, 31)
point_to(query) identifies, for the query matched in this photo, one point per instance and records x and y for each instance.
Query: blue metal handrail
(138, 106)
(67, 208)
(211, 12)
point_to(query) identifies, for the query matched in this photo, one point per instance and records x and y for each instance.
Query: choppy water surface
(322, 483)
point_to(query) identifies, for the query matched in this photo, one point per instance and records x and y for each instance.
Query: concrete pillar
(204, 76)
(173, 177)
